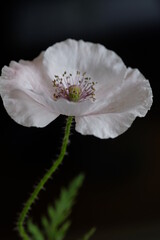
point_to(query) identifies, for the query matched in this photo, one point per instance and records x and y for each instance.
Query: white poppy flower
(76, 78)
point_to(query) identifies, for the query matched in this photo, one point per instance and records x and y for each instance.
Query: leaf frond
(56, 224)
(89, 234)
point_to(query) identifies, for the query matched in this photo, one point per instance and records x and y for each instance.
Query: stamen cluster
(73, 88)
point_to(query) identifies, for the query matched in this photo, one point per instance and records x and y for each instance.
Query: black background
(121, 192)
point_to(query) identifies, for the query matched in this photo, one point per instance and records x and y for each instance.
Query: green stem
(42, 182)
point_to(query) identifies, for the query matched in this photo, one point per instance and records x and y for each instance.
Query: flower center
(73, 88)
(74, 93)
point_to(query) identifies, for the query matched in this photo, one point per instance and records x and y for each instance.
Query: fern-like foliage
(35, 231)
(56, 224)
(89, 234)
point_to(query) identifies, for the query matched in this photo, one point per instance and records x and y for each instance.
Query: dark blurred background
(121, 192)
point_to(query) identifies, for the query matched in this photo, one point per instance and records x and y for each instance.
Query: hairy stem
(39, 187)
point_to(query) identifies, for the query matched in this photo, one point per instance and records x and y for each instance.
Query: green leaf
(63, 230)
(89, 234)
(34, 231)
(44, 222)
(56, 226)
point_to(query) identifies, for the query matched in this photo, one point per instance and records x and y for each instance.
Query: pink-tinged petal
(35, 93)
(33, 73)
(27, 112)
(104, 126)
(69, 108)
(103, 66)
(111, 118)
(133, 95)
(24, 88)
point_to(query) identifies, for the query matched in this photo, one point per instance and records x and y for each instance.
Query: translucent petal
(113, 117)
(103, 66)
(26, 111)
(104, 125)
(24, 88)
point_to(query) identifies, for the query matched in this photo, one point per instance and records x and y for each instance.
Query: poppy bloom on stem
(80, 79)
